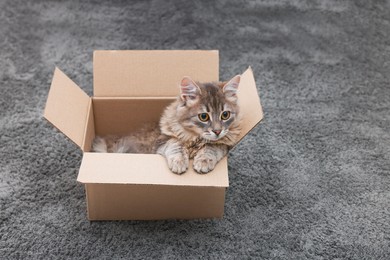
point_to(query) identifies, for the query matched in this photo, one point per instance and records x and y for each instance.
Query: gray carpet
(311, 182)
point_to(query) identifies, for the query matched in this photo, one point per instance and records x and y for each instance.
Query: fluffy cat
(201, 124)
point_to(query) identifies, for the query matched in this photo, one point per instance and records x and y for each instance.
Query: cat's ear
(189, 91)
(230, 88)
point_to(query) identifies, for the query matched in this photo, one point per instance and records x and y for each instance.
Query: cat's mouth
(211, 136)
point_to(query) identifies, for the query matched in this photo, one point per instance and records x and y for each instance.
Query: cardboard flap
(150, 169)
(67, 107)
(250, 105)
(150, 73)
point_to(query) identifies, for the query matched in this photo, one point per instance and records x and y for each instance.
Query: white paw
(204, 163)
(178, 163)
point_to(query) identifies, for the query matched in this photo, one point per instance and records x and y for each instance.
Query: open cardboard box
(132, 88)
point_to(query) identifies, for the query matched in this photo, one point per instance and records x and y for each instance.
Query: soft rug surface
(312, 181)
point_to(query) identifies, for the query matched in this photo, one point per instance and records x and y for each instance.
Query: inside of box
(121, 116)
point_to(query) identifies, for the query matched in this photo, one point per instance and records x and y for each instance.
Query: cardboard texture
(150, 73)
(132, 88)
(67, 107)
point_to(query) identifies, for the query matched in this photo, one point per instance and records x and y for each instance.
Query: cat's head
(209, 110)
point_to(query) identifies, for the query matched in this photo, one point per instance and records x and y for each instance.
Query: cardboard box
(132, 88)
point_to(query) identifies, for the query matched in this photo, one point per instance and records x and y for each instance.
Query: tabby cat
(201, 124)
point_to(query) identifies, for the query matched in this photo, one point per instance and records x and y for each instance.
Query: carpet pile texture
(312, 181)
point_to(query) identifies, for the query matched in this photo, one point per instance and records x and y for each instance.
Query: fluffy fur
(201, 124)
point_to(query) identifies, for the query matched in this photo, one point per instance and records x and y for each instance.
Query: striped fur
(182, 135)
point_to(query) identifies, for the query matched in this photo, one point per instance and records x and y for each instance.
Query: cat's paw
(178, 164)
(204, 163)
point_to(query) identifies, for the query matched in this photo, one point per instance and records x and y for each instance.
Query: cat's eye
(225, 115)
(203, 117)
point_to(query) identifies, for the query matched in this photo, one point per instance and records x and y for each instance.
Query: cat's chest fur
(194, 146)
(191, 145)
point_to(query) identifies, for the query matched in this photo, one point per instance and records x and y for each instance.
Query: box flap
(67, 107)
(250, 105)
(117, 168)
(154, 73)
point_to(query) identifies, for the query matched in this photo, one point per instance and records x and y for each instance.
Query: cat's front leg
(207, 157)
(176, 155)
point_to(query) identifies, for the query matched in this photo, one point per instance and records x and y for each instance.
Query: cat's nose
(217, 132)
